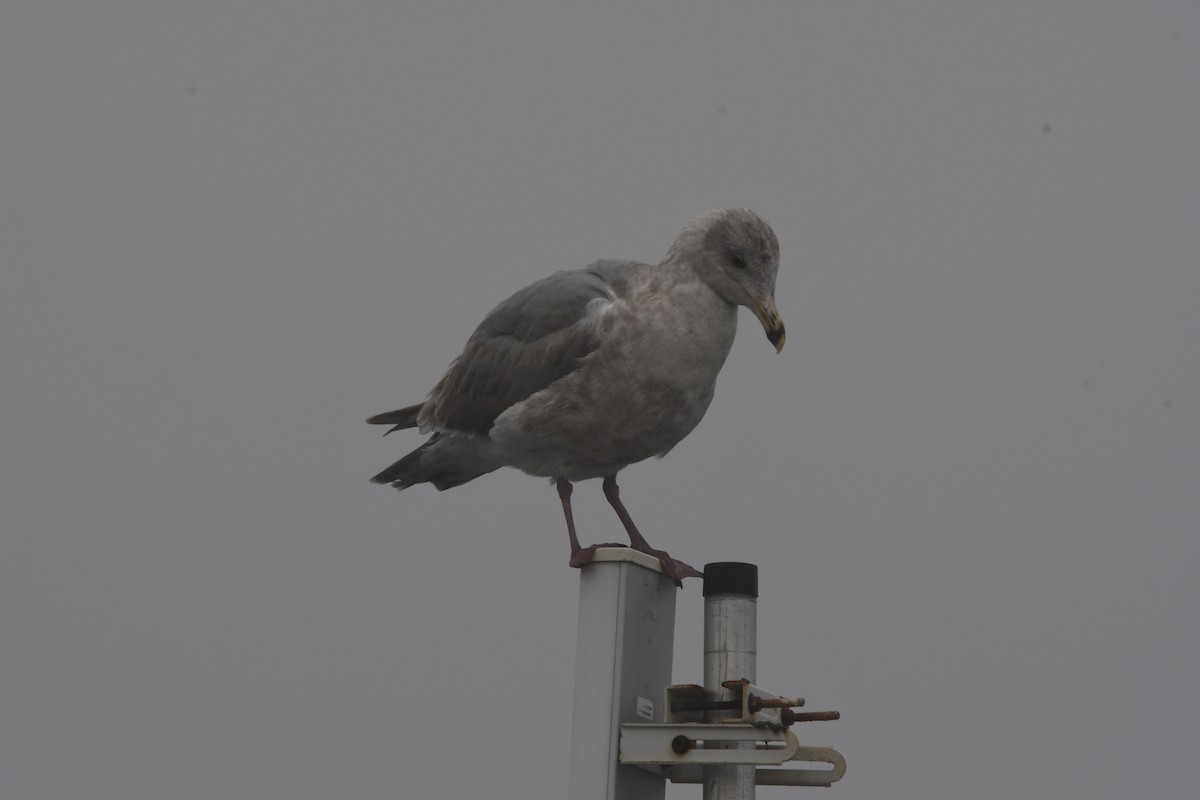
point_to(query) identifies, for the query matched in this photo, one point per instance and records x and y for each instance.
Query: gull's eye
(738, 261)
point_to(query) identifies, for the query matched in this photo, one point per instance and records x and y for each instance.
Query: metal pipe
(730, 653)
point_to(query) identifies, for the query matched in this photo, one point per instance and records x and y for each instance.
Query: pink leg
(676, 570)
(564, 494)
(579, 555)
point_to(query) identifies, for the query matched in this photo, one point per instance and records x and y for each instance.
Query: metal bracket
(666, 744)
(681, 747)
(676, 752)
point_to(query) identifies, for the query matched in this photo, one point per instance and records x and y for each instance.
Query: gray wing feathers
(523, 345)
(399, 419)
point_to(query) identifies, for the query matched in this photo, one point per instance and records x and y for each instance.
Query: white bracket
(667, 744)
(655, 748)
(754, 731)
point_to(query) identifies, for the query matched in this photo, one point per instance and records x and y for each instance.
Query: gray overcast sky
(230, 231)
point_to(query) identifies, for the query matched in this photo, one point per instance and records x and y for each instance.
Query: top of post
(730, 577)
(618, 554)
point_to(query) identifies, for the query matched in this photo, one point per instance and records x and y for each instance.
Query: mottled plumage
(582, 373)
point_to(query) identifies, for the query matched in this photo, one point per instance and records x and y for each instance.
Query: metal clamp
(757, 734)
(667, 744)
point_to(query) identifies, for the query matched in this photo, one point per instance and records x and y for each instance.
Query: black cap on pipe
(731, 577)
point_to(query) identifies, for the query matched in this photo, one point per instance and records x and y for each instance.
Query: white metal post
(730, 653)
(623, 652)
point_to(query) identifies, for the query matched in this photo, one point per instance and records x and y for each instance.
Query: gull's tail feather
(443, 461)
(400, 419)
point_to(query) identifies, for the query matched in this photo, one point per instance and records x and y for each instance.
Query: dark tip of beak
(776, 335)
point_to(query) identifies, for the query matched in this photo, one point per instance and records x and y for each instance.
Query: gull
(585, 372)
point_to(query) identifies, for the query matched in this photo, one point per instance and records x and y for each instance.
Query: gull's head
(736, 253)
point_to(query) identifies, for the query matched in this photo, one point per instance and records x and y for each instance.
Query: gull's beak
(772, 323)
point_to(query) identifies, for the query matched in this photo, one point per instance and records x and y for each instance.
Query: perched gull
(585, 372)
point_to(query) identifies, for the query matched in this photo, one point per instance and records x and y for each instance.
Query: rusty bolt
(790, 716)
(759, 703)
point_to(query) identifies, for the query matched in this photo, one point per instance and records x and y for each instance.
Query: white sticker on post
(645, 708)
